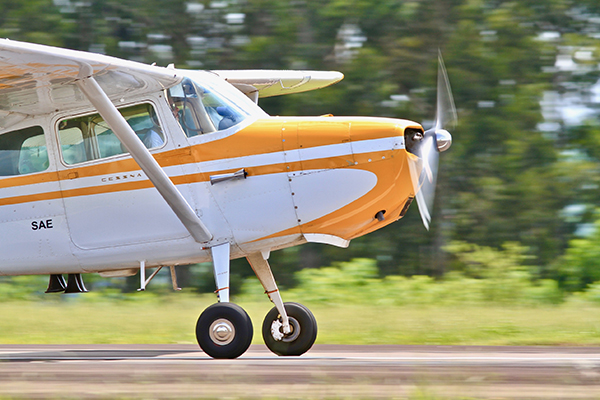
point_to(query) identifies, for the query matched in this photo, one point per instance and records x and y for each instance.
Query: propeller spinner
(431, 143)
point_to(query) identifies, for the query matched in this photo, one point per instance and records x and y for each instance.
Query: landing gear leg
(220, 256)
(262, 269)
(224, 330)
(289, 329)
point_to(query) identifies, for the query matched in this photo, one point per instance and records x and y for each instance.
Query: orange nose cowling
(360, 150)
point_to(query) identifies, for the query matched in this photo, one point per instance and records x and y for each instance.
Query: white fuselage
(304, 183)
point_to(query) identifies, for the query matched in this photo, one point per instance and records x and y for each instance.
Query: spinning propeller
(434, 141)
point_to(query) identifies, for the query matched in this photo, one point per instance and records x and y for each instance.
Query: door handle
(241, 174)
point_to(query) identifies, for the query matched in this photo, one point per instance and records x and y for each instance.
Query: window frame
(62, 117)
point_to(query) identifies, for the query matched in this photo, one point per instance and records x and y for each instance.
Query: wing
(36, 79)
(266, 83)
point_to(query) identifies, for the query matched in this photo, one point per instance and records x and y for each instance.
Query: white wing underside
(269, 83)
(37, 79)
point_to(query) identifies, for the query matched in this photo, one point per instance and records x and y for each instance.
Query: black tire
(300, 340)
(230, 319)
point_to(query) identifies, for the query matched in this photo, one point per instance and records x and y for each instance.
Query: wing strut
(94, 93)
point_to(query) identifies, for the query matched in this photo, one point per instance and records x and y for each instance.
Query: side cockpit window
(90, 138)
(200, 109)
(23, 151)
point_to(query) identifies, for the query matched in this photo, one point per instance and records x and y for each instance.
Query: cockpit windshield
(205, 104)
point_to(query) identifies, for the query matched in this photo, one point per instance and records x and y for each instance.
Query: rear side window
(90, 138)
(23, 151)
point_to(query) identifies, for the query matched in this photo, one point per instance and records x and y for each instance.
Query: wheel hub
(221, 332)
(277, 330)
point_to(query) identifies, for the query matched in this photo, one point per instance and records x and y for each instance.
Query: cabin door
(108, 200)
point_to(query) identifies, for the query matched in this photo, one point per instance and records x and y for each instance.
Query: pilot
(153, 136)
(152, 139)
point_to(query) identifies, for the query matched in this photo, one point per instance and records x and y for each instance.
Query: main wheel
(224, 330)
(299, 340)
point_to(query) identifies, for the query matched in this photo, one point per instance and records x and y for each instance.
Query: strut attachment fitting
(144, 282)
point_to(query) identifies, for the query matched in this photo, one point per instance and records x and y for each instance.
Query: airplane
(112, 166)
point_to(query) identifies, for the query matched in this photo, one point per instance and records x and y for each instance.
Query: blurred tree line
(518, 172)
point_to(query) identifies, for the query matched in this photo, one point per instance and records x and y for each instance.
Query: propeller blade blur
(445, 114)
(426, 194)
(435, 140)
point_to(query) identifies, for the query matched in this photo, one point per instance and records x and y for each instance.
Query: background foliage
(520, 185)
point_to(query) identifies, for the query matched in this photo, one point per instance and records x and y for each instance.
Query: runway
(325, 372)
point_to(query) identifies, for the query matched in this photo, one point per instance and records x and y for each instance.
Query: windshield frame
(213, 82)
(246, 108)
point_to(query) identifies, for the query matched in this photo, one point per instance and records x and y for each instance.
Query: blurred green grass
(144, 318)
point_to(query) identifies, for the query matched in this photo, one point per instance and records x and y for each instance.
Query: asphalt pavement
(325, 372)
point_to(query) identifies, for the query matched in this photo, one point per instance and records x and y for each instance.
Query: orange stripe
(262, 137)
(14, 181)
(29, 198)
(324, 163)
(119, 187)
